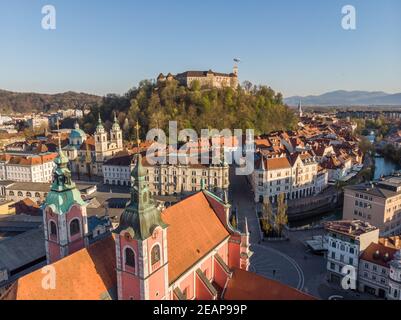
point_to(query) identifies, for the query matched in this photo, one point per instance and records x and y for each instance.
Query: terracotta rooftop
(274, 163)
(88, 274)
(245, 285)
(194, 230)
(378, 254)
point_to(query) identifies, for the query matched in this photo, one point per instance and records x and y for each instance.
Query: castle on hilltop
(209, 78)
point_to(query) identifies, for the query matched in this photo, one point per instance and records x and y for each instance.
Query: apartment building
(38, 122)
(27, 167)
(37, 192)
(374, 271)
(168, 179)
(378, 204)
(347, 240)
(294, 175)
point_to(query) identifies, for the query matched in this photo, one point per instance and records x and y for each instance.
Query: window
(155, 254)
(20, 194)
(37, 194)
(28, 194)
(74, 227)
(53, 229)
(129, 258)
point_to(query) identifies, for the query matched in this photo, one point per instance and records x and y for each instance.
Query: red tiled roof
(194, 230)
(245, 285)
(88, 274)
(378, 254)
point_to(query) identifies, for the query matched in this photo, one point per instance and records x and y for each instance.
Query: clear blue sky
(296, 47)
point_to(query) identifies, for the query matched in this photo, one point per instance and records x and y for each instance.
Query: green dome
(77, 133)
(63, 192)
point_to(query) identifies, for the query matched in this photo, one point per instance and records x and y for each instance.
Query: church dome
(77, 133)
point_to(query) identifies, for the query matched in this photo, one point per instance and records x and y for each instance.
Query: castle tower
(141, 245)
(116, 133)
(100, 141)
(64, 214)
(235, 70)
(394, 291)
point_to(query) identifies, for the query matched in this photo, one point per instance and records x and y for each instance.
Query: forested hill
(153, 106)
(36, 102)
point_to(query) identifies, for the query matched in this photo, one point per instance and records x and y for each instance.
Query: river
(384, 167)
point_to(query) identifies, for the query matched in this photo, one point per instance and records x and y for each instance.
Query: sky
(296, 47)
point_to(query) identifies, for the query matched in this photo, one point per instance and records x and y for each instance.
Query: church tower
(141, 245)
(300, 112)
(116, 133)
(64, 214)
(100, 141)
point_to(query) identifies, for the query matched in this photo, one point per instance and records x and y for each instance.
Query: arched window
(74, 227)
(28, 194)
(53, 229)
(130, 258)
(37, 194)
(20, 194)
(155, 254)
(11, 193)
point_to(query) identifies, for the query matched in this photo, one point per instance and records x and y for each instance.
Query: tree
(154, 105)
(281, 218)
(267, 216)
(365, 145)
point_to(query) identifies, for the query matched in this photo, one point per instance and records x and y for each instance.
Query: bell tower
(64, 214)
(100, 141)
(116, 133)
(141, 245)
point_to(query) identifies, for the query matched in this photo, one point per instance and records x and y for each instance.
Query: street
(289, 262)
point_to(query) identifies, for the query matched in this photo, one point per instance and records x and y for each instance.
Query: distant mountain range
(347, 98)
(37, 102)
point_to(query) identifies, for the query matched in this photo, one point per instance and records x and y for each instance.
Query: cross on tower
(138, 141)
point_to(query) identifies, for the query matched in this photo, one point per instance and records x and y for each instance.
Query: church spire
(99, 127)
(300, 112)
(116, 125)
(141, 215)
